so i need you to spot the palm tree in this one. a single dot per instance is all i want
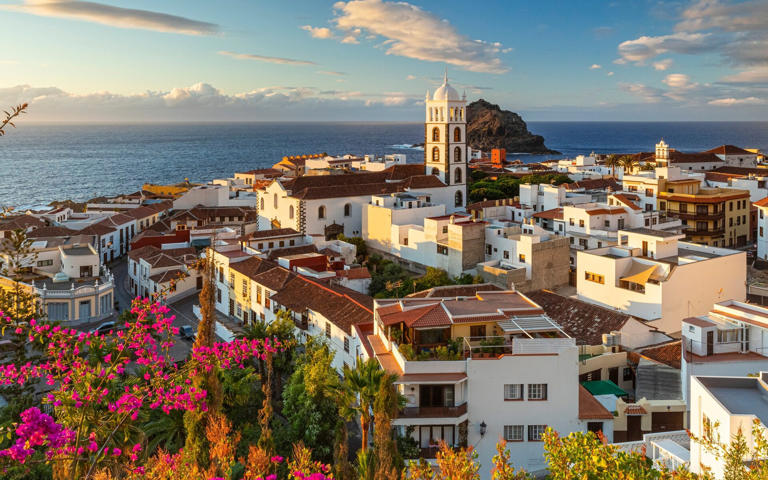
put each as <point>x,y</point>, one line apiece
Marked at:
<point>629,162</point>
<point>648,166</point>
<point>612,161</point>
<point>360,386</point>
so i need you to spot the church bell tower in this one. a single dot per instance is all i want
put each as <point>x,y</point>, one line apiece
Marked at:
<point>445,142</point>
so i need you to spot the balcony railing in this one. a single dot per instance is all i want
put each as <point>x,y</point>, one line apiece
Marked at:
<point>433,412</point>
<point>704,232</point>
<point>703,216</point>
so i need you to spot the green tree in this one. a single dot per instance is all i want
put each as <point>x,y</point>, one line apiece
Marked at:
<point>310,401</point>
<point>613,161</point>
<point>359,243</point>
<point>629,162</point>
<point>360,386</point>
<point>388,402</point>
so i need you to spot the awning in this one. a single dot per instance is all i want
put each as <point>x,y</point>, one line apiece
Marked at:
<point>639,273</point>
<point>603,387</point>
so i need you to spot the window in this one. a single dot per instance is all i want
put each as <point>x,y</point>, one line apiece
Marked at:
<point>221,274</point>
<point>292,242</point>
<point>727,336</point>
<point>442,250</point>
<point>581,223</point>
<point>621,223</point>
<point>594,277</point>
<point>435,154</point>
<point>537,391</point>
<point>435,134</point>
<point>730,206</point>
<point>459,199</point>
<point>457,176</point>
<point>761,231</point>
<point>535,432</point>
<point>607,224</point>
<point>435,171</point>
<point>261,204</point>
<point>513,391</point>
<point>477,331</point>
<point>445,228</point>
<point>706,425</point>
<point>328,329</point>
<point>44,263</point>
<point>231,280</point>
<point>290,212</point>
<point>347,209</point>
<point>570,221</point>
<point>405,240</point>
<point>521,257</point>
<point>457,134</point>
<point>627,374</point>
<point>648,192</point>
<point>239,310</point>
<point>274,200</point>
<point>457,154</point>
<point>683,208</point>
<point>346,344</point>
<point>506,255</point>
<point>513,433</point>
<point>321,211</point>
<point>662,205</point>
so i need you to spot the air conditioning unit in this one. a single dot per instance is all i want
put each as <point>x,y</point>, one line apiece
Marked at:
<point>610,340</point>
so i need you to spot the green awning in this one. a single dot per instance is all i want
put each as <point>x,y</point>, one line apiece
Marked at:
<point>603,387</point>
<point>201,242</point>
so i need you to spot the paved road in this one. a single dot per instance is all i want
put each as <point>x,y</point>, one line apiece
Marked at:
<point>123,295</point>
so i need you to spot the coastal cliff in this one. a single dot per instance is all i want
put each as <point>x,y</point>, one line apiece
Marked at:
<point>488,126</point>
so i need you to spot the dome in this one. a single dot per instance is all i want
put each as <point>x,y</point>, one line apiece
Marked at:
<point>446,92</point>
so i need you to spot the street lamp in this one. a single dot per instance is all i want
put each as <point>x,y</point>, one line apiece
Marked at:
<point>483,428</point>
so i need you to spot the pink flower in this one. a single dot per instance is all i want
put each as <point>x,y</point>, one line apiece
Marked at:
<point>116,452</point>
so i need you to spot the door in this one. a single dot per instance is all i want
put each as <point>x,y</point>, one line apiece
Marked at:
<point>645,248</point>
<point>231,307</point>
<point>199,283</point>
<point>84,312</point>
<point>634,432</point>
<point>613,375</point>
<point>710,342</point>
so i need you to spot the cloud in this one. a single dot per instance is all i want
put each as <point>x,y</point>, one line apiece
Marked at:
<point>318,32</point>
<point>646,93</point>
<point>332,73</point>
<point>662,65</point>
<point>644,48</point>
<point>595,66</point>
<point>610,74</point>
<point>677,80</point>
<point>756,76</point>
<point>264,58</point>
<point>412,32</point>
<point>203,100</point>
<point>738,17</point>
<point>115,16</point>
<point>730,102</point>
<point>350,39</point>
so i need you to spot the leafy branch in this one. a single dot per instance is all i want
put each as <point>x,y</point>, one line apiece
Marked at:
<point>9,116</point>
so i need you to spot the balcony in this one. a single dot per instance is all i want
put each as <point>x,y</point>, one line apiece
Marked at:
<point>704,232</point>
<point>708,216</point>
<point>433,412</point>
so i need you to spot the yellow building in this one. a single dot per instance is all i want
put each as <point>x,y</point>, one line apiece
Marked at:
<point>174,190</point>
<point>718,217</point>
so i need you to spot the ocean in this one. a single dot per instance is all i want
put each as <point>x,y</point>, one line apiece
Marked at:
<point>42,163</point>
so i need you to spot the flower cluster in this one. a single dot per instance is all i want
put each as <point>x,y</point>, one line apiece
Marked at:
<point>35,430</point>
<point>101,382</point>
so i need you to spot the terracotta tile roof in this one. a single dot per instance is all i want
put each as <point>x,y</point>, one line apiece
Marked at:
<point>423,181</point>
<point>668,354</point>
<point>702,157</point>
<point>333,303</point>
<point>98,229</point>
<point>594,184</point>
<point>699,322</point>
<point>744,171</point>
<point>553,214</point>
<point>167,276</point>
<point>763,202</point>
<point>157,257</point>
<point>277,232</point>
<point>142,212</point>
<point>425,316</point>
<point>718,197</point>
<point>271,172</point>
<point>590,408</point>
<point>117,220</point>
<point>492,203</point>
<point>628,199</point>
<point>282,252</point>
<point>729,150</point>
<point>52,232</point>
<point>20,222</point>
<point>635,410</point>
<point>274,278</point>
<point>581,320</point>
<point>252,266</point>
<point>354,273</point>
<point>353,190</point>
<point>719,177</point>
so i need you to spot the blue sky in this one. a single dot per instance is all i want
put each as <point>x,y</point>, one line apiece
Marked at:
<point>373,60</point>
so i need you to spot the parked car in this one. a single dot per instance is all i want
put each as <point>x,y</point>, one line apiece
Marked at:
<point>187,332</point>
<point>104,328</point>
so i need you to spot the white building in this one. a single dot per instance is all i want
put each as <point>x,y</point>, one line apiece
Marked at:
<point>650,272</point>
<point>470,393</point>
<point>732,339</point>
<point>147,263</point>
<point>445,148</point>
<point>213,196</point>
<point>543,197</point>
<point>762,228</point>
<point>721,407</point>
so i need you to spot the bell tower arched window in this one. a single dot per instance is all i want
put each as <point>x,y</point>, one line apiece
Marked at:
<point>457,134</point>
<point>457,176</point>
<point>436,134</point>
<point>347,210</point>
<point>457,154</point>
<point>459,199</point>
<point>435,154</point>
<point>321,211</point>
<point>435,171</point>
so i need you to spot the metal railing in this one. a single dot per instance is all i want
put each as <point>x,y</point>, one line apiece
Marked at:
<point>433,412</point>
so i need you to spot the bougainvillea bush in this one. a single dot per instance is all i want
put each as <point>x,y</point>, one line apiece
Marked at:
<point>99,386</point>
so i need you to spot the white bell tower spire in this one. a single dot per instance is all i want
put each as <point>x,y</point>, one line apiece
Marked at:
<point>445,143</point>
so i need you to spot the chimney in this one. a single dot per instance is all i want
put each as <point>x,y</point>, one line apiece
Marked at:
<point>452,220</point>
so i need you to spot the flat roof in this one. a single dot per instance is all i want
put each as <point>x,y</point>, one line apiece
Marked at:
<point>739,395</point>
<point>653,233</point>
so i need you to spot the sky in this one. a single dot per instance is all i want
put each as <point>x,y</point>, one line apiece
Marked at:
<point>374,60</point>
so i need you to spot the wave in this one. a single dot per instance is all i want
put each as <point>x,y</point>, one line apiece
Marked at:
<point>406,146</point>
